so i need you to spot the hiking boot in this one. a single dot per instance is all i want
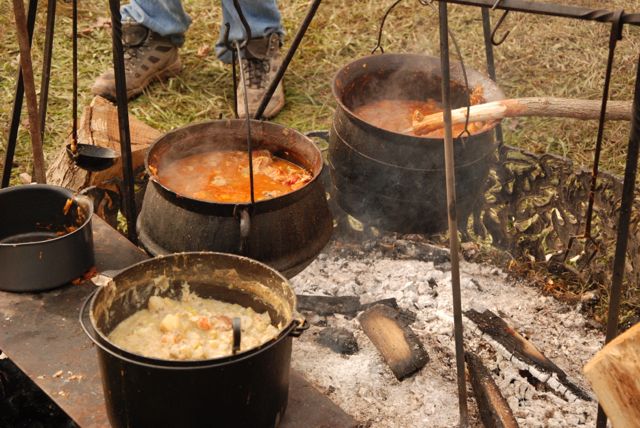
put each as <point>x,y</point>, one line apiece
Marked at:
<point>148,56</point>
<point>261,63</point>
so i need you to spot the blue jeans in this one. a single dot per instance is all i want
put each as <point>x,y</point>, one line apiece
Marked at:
<point>168,18</point>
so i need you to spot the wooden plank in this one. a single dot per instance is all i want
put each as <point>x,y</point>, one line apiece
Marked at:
<point>394,339</point>
<point>494,409</point>
<point>614,373</point>
<point>516,346</point>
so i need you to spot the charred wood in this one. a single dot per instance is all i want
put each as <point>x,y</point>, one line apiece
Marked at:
<point>339,340</point>
<point>394,339</point>
<point>494,410</point>
<point>524,354</point>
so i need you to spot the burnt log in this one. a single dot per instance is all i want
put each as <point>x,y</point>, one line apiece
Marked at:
<point>339,340</point>
<point>329,305</point>
<point>516,346</point>
<point>394,339</point>
<point>494,409</point>
<point>614,375</point>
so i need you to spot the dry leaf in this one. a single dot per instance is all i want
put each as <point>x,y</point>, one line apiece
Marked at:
<point>203,51</point>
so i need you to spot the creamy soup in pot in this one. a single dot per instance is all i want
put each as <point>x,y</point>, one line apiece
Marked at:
<point>191,328</point>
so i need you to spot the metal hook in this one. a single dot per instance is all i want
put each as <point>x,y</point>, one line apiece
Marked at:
<point>384,18</point>
<point>495,30</point>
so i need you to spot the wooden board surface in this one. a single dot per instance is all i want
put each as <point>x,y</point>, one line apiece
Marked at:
<point>41,334</point>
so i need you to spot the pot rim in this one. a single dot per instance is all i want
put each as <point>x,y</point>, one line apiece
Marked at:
<point>80,199</point>
<point>261,203</point>
<point>398,135</point>
<point>105,344</point>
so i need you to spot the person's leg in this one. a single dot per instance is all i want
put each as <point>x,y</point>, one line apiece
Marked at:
<point>262,57</point>
<point>165,17</point>
<point>152,31</point>
<point>262,16</point>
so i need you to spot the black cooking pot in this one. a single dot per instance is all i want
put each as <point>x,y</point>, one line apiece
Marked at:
<point>249,389</point>
<point>41,246</point>
<point>286,232</point>
<point>393,180</point>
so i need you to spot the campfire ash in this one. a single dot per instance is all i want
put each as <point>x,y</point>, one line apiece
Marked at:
<point>417,276</point>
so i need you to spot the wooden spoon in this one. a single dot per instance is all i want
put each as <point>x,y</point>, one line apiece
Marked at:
<point>552,107</point>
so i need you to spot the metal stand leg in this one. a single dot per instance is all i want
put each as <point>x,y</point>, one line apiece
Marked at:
<point>452,211</point>
<point>491,68</point>
<point>626,204</point>
<point>12,136</point>
<point>46,63</point>
<point>128,199</point>
<point>287,59</point>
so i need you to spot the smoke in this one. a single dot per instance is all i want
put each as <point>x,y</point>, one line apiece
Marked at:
<point>397,181</point>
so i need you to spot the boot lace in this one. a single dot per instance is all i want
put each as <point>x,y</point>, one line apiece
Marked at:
<point>258,70</point>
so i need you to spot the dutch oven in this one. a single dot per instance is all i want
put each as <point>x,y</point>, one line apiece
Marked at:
<point>393,180</point>
<point>286,232</point>
<point>248,389</point>
<point>42,244</point>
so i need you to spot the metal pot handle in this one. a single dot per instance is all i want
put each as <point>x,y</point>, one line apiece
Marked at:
<point>301,325</point>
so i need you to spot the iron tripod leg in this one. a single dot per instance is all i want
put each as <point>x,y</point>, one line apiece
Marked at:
<point>452,213</point>
<point>128,199</point>
<point>628,188</point>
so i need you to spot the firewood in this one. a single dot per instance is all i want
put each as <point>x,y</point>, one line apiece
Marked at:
<point>394,339</point>
<point>99,125</point>
<point>329,305</point>
<point>348,305</point>
<point>515,346</point>
<point>494,410</point>
<point>614,373</point>
<point>339,340</point>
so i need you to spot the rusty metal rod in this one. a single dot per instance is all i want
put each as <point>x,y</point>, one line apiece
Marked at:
<point>287,59</point>
<point>128,197</point>
<point>628,188</point>
<point>29,90</point>
<point>550,9</point>
<point>616,34</point>
<point>74,56</point>
<point>452,213</point>
<point>491,67</point>
<point>12,135</point>
<point>46,64</point>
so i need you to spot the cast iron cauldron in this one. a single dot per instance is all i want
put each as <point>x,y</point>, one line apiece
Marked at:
<point>396,181</point>
<point>286,232</point>
<point>41,246</point>
<point>249,389</point>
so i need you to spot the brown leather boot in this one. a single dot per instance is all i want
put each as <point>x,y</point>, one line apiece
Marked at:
<point>260,65</point>
<point>148,56</point>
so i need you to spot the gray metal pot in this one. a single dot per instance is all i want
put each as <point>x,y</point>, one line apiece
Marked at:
<point>36,250</point>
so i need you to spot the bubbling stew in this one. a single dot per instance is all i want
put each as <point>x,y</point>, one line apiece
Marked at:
<point>223,176</point>
<point>396,116</point>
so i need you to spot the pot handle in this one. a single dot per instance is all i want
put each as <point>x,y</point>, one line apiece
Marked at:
<point>301,324</point>
<point>321,134</point>
<point>83,311</point>
<point>237,332</point>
